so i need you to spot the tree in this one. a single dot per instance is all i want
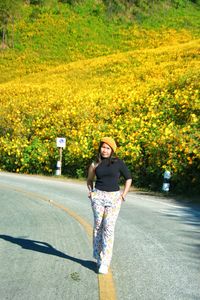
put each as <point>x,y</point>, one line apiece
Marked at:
<point>9,9</point>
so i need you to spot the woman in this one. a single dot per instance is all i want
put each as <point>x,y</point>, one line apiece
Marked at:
<point>106,199</point>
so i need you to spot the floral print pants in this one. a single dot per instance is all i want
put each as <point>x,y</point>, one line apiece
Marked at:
<point>106,207</point>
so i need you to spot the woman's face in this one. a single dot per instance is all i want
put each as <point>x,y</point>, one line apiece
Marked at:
<point>106,150</point>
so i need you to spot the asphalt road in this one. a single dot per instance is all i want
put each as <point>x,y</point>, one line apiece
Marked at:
<point>47,254</point>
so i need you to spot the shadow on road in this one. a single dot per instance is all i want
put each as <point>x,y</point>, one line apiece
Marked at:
<point>183,209</point>
<point>188,215</point>
<point>46,248</point>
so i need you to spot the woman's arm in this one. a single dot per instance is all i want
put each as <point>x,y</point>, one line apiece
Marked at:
<point>90,178</point>
<point>126,188</point>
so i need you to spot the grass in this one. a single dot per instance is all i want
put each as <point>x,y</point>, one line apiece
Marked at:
<point>187,18</point>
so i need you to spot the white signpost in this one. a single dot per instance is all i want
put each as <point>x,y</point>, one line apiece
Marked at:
<point>61,144</point>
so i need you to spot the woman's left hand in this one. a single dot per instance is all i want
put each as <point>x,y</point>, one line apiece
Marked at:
<point>123,198</point>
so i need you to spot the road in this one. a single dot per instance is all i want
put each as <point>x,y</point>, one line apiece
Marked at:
<point>46,247</point>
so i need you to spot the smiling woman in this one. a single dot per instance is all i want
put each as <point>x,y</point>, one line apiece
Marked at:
<point>106,200</point>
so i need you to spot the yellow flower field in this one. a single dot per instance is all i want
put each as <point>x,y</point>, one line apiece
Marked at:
<point>147,99</point>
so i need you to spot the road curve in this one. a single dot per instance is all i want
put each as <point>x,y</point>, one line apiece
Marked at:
<point>46,253</point>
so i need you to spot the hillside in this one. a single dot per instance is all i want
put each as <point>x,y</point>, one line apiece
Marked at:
<point>139,84</point>
<point>48,36</point>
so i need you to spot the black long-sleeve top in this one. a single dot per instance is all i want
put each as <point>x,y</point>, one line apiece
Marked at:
<point>108,175</point>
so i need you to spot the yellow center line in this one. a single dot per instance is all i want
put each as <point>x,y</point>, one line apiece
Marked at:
<point>106,282</point>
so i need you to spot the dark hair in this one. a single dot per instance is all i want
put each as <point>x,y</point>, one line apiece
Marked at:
<point>110,160</point>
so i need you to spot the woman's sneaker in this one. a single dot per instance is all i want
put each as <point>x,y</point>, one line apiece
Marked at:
<point>103,269</point>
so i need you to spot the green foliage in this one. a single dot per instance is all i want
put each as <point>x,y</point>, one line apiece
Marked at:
<point>179,3</point>
<point>37,2</point>
<point>80,173</point>
<point>50,3</point>
<point>9,10</point>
